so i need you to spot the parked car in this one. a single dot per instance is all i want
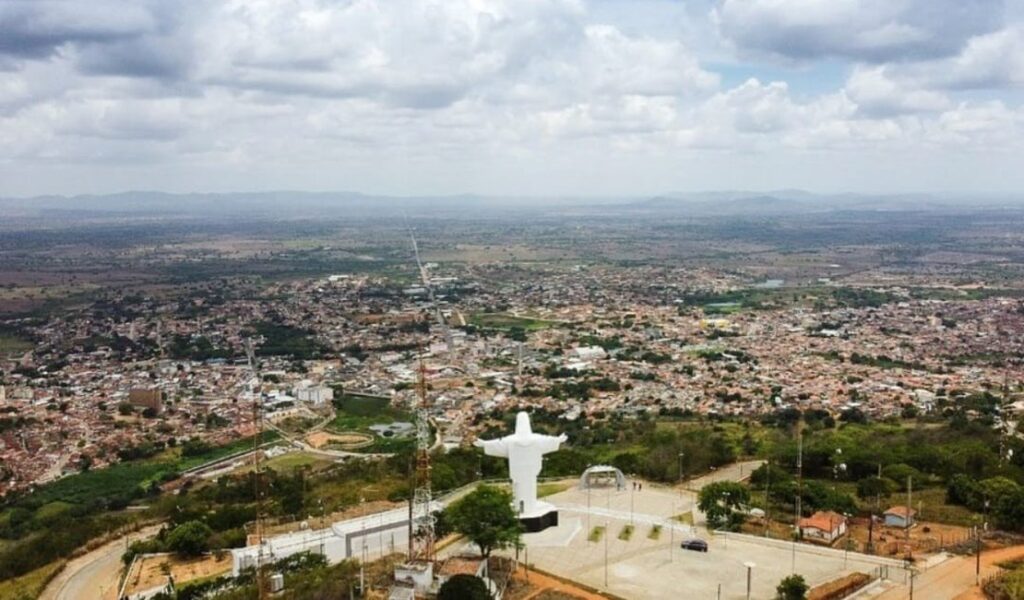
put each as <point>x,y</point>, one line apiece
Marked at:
<point>695,545</point>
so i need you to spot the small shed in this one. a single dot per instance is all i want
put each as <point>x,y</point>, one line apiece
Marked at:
<point>900,517</point>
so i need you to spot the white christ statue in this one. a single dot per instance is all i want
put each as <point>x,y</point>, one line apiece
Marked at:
<point>524,450</point>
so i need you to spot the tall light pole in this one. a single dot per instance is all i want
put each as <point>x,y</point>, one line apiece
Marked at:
<point>606,533</point>
<point>671,537</point>
<point>750,568</point>
<point>767,495</point>
<point>631,493</point>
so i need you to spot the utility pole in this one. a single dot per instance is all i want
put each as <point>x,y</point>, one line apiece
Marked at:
<point>607,532</point>
<point>910,493</point>
<point>871,519</point>
<point>977,557</point>
<point>799,488</point>
<point>767,495</point>
<point>799,474</point>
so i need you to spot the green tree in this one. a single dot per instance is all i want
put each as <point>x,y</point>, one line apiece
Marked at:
<point>792,588</point>
<point>190,539</point>
<point>464,587</point>
<point>1010,511</point>
<point>486,517</point>
<point>719,499</point>
<point>870,488</point>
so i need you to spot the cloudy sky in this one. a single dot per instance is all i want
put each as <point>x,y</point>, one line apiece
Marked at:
<point>511,96</point>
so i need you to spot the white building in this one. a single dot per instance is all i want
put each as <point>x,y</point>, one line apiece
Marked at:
<point>591,353</point>
<point>370,537</point>
<point>315,395</point>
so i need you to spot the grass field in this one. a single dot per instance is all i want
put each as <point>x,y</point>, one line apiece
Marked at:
<point>358,413</point>
<point>549,489</point>
<point>31,584</point>
<point>935,508</point>
<point>10,343</point>
<point>507,321</point>
<point>241,445</point>
<point>292,461</point>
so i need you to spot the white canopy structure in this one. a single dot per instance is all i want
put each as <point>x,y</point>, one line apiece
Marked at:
<point>602,476</point>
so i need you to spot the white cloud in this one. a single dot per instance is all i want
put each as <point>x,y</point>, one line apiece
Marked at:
<point>869,30</point>
<point>363,93</point>
<point>876,93</point>
<point>994,60</point>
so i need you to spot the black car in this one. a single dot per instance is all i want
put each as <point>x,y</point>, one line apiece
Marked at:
<point>695,545</point>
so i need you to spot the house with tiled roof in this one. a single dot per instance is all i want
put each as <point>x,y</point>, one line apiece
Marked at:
<point>823,526</point>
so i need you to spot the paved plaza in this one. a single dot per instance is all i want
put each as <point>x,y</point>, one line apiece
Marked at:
<point>642,567</point>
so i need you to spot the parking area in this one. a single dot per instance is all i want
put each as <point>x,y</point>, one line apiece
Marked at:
<point>650,564</point>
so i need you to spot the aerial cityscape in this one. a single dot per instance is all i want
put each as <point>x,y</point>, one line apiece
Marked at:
<point>533,357</point>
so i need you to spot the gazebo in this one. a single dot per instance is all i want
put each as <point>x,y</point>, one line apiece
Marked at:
<point>602,476</point>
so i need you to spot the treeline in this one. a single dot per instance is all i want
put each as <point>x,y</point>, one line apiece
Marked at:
<point>285,340</point>
<point>638,446</point>
<point>967,458</point>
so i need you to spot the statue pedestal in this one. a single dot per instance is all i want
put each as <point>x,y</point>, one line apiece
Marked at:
<point>542,516</point>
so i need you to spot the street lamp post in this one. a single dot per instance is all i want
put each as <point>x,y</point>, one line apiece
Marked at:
<point>606,532</point>
<point>631,494</point>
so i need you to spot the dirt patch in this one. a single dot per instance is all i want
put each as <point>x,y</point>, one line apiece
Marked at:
<point>319,439</point>
<point>925,538</point>
<point>152,571</point>
<point>839,588</point>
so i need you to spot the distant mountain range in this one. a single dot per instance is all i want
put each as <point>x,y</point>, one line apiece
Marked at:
<point>292,204</point>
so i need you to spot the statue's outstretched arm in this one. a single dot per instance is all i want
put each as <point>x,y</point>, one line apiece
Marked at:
<point>550,443</point>
<point>493,447</point>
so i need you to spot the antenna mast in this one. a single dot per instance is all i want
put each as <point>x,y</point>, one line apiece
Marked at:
<point>423,516</point>
<point>258,491</point>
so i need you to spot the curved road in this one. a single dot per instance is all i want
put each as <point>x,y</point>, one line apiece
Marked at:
<point>96,574</point>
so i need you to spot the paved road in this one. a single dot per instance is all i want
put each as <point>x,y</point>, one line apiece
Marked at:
<point>732,472</point>
<point>954,579</point>
<point>95,575</point>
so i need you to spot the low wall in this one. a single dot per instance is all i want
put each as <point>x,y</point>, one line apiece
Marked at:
<point>809,549</point>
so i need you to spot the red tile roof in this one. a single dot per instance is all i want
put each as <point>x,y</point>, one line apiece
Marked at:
<point>824,521</point>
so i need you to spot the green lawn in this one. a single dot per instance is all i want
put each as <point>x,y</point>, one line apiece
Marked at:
<point>293,461</point>
<point>507,321</point>
<point>240,445</point>
<point>548,489</point>
<point>10,343</point>
<point>358,413</point>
